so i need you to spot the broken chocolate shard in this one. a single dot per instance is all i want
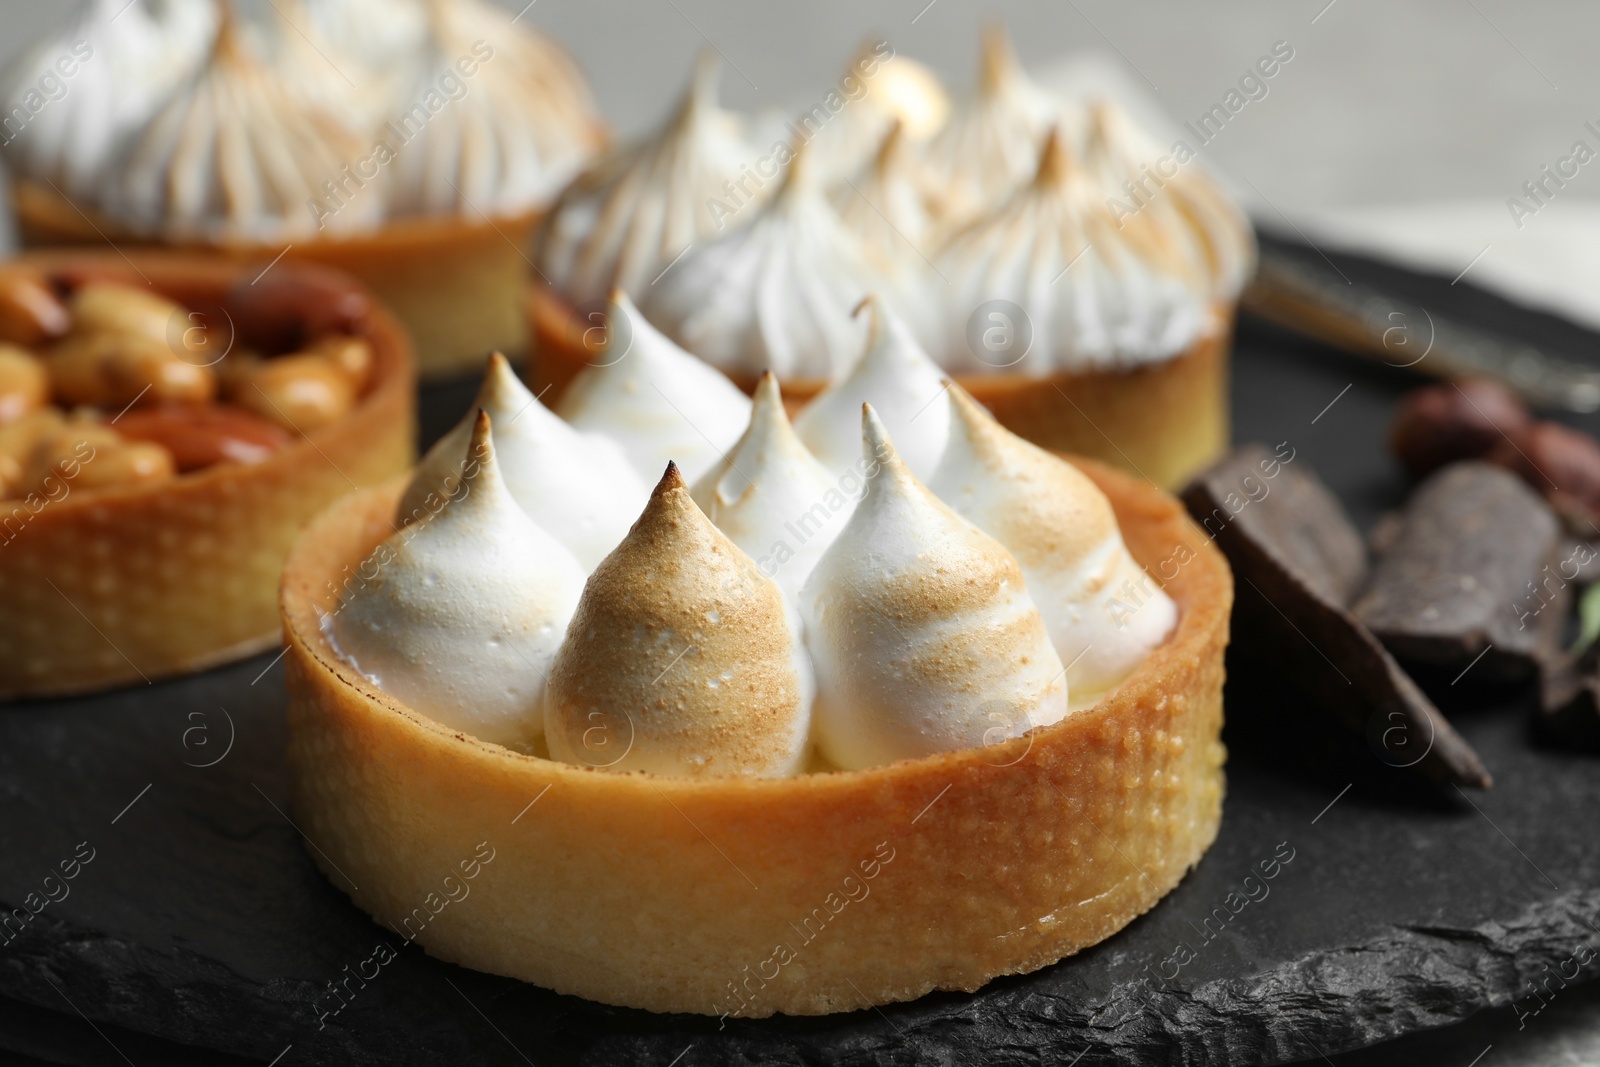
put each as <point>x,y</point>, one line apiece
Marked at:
<point>1299,561</point>
<point>1569,705</point>
<point>1471,576</point>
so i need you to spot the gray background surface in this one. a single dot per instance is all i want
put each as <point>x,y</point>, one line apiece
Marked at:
<point>1402,127</point>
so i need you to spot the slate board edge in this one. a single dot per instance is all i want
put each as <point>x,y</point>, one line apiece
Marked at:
<point>1409,981</point>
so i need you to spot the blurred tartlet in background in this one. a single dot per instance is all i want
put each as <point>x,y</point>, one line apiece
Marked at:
<point>412,143</point>
<point>1074,277</point>
<point>166,428</point>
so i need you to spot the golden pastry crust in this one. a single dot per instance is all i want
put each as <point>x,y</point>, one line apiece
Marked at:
<point>111,586</point>
<point>455,283</point>
<point>1163,421</point>
<point>806,895</point>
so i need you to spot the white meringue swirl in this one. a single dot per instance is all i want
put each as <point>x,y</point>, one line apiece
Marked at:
<point>465,612</point>
<point>578,486</point>
<point>923,636</point>
<point>1095,294</point>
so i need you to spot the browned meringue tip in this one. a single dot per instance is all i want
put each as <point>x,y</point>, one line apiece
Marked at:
<point>876,444</point>
<point>480,449</point>
<point>671,478</point>
<point>889,147</point>
<point>1055,160</point>
<point>767,390</point>
<point>703,82</point>
<point>997,61</point>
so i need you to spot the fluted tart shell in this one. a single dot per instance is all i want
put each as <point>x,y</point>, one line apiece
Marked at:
<point>821,893</point>
<point>116,586</point>
<point>454,283</point>
<point>1164,421</point>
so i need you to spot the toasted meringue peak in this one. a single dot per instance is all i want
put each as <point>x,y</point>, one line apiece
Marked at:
<point>896,376</point>
<point>654,399</point>
<point>1189,205</point>
<point>922,633</point>
<point>461,615</point>
<point>313,55</point>
<point>580,487</point>
<point>990,146</point>
<point>773,499</point>
<point>1093,294</point>
<point>116,66</point>
<point>877,89</point>
<point>776,294</point>
<point>496,117</point>
<point>890,207</point>
<point>626,217</point>
<point>1104,613</point>
<point>682,659</point>
<point>381,35</point>
<point>236,156</point>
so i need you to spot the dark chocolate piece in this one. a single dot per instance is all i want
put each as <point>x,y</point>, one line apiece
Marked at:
<point>1569,704</point>
<point>1298,561</point>
<point>1472,572</point>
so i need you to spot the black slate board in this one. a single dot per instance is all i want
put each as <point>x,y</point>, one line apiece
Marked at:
<point>201,921</point>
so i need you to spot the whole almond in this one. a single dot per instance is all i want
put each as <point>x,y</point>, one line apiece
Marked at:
<point>199,436</point>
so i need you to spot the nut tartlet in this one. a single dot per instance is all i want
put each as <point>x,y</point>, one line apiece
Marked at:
<point>745,896</point>
<point>417,158</point>
<point>1074,277</point>
<point>144,529</point>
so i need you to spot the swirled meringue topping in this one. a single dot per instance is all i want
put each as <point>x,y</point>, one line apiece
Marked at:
<point>896,376</point>
<point>890,209</point>
<point>877,90</point>
<point>236,156</point>
<point>73,99</point>
<point>579,487</point>
<point>496,118</point>
<point>990,147</point>
<point>654,399</point>
<point>380,34</point>
<point>776,294</point>
<point>773,499</point>
<point>637,208</point>
<point>682,658</point>
<point>464,612</point>
<point>1095,294</point>
<point>346,57</point>
<point>1104,613</point>
<point>1188,204</point>
<point>922,633</point>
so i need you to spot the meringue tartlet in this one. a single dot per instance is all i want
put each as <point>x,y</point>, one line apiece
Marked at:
<point>152,541</point>
<point>1074,277</point>
<point>417,159</point>
<point>719,894</point>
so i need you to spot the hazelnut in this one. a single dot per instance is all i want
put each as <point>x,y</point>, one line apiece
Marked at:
<point>30,311</point>
<point>1440,424</point>
<point>121,309</point>
<point>24,383</point>
<point>353,355</point>
<point>112,370</point>
<point>203,435</point>
<point>1561,463</point>
<point>88,455</point>
<point>300,392</point>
